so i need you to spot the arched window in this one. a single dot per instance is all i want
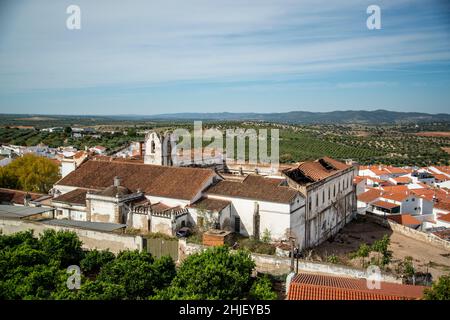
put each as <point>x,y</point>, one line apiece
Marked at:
<point>152,148</point>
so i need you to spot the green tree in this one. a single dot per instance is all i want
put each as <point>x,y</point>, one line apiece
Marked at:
<point>215,273</point>
<point>381,246</point>
<point>30,173</point>
<point>68,131</point>
<point>138,273</point>
<point>266,236</point>
<point>440,290</point>
<point>407,267</point>
<point>262,289</point>
<point>94,259</point>
<point>63,247</point>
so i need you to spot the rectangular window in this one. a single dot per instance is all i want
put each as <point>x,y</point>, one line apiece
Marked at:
<point>317,200</point>
<point>323,196</point>
<point>237,224</point>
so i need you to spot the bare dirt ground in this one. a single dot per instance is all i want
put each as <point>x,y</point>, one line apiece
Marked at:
<point>425,256</point>
<point>433,134</point>
<point>446,149</point>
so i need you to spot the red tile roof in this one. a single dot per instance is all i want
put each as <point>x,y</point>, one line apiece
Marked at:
<point>405,219</point>
<point>379,172</point>
<point>441,177</point>
<point>254,187</point>
<point>396,196</point>
<point>384,204</point>
<point>77,196</point>
<point>358,179</point>
<point>404,180</point>
<point>396,170</point>
<point>394,189</point>
<point>369,196</point>
<point>312,171</point>
<point>442,205</point>
<point>12,196</point>
<point>210,204</point>
<point>445,217</point>
<point>324,287</point>
<point>170,182</point>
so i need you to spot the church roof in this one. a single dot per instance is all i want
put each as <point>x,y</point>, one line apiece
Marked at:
<point>77,196</point>
<point>113,191</point>
<point>170,182</point>
<point>313,171</point>
<point>255,187</point>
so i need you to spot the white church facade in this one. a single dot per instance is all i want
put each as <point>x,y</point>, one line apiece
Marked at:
<point>158,196</point>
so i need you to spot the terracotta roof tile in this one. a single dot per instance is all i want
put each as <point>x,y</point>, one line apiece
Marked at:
<point>394,189</point>
<point>445,217</point>
<point>384,204</point>
<point>170,182</point>
<point>404,219</point>
<point>324,287</point>
<point>312,171</point>
<point>442,205</point>
<point>211,204</point>
<point>396,196</point>
<point>369,196</point>
<point>254,187</point>
<point>17,196</point>
<point>405,180</point>
<point>77,196</point>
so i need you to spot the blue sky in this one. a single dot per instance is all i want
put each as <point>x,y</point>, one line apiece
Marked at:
<point>151,57</point>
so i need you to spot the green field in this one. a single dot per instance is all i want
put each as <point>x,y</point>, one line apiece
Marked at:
<point>368,144</point>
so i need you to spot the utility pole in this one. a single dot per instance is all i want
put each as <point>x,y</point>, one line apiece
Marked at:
<point>297,255</point>
<point>292,253</point>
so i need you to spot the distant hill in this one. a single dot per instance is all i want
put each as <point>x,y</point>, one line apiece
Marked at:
<point>293,117</point>
<point>306,117</point>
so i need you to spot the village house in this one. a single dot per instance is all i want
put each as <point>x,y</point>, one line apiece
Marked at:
<point>98,150</point>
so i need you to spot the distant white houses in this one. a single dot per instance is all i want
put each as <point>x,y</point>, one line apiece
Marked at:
<point>54,129</point>
<point>98,150</point>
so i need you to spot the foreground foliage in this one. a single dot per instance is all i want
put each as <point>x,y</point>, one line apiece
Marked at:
<point>440,290</point>
<point>36,268</point>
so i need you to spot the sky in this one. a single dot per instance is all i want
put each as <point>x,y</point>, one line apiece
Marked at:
<point>152,57</point>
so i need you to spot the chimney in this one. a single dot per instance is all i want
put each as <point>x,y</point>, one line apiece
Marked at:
<point>26,200</point>
<point>116,181</point>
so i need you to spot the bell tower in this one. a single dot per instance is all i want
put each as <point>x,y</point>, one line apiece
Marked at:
<point>158,149</point>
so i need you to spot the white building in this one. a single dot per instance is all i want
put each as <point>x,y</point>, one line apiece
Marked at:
<point>327,186</point>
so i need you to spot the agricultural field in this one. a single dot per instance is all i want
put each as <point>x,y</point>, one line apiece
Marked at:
<point>401,145</point>
<point>391,145</point>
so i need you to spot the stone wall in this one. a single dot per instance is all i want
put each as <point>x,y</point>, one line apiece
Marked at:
<point>279,265</point>
<point>91,239</point>
<point>411,233</point>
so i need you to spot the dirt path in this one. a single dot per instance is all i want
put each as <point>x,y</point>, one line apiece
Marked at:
<point>360,231</point>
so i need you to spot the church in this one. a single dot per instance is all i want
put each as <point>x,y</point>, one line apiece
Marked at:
<point>162,195</point>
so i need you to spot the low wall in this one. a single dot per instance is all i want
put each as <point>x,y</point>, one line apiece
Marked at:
<point>411,233</point>
<point>279,265</point>
<point>91,239</point>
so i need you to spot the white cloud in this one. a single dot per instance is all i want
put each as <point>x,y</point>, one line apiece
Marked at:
<point>147,43</point>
